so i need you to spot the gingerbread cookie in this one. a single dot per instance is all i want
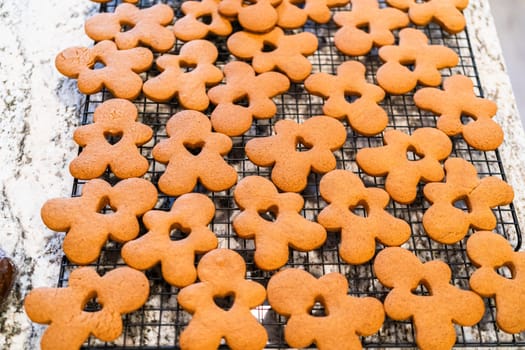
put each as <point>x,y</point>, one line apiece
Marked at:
<point>87,228</point>
<point>275,51</point>
<point>293,293</point>
<point>285,227</point>
<point>193,153</point>
<point>490,251</point>
<point>456,100</point>
<point>294,13</point>
<point>435,314</point>
<point>190,214</point>
<point>446,223</point>
<point>255,16</point>
<point>447,13</point>
<point>241,83</point>
<point>118,292</point>
<point>344,192</point>
<point>113,118</point>
<point>120,74</point>
<point>413,61</point>
<point>222,279</point>
<point>147,27</point>
<point>188,86</point>
<point>365,26</point>
<point>406,160</point>
<point>195,25</point>
<point>364,114</point>
<point>319,137</point>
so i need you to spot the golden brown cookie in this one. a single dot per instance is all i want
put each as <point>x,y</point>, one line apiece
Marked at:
<point>293,294</point>
<point>406,160</point>
<point>284,226</point>
<point>363,114</point>
<point>186,75</point>
<point>174,238</point>
<point>222,281</point>
<point>413,61</point>
<point>87,227</point>
<point>318,136</point>
<point>345,192</point>
<point>457,99</point>
<point>115,118</point>
<point>490,252</point>
<point>146,27</point>
<point>365,26</point>
<point>242,84</point>
<point>294,13</point>
<point>433,314</point>
<point>447,13</point>
<point>275,51</point>
<point>195,25</point>
<point>446,223</point>
<point>119,74</point>
<point>71,322</point>
<point>193,153</point>
<point>255,16</point>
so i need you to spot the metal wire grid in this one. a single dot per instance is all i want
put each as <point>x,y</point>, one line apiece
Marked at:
<point>158,324</point>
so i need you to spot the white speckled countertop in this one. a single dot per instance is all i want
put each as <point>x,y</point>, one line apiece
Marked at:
<point>38,113</point>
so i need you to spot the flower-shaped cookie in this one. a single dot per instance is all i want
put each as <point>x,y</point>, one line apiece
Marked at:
<point>413,61</point>
<point>448,224</point>
<point>406,160</point>
<point>490,251</point>
<point>364,114</point>
<point>194,25</point>
<point>193,153</point>
<point>87,228</point>
<point>294,13</point>
<point>113,118</point>
<point>256,195</point>
<point>241,83</point>
<point>457,99</point>
<point>317,137</point>
<point>435,314</point>
<point>255,15</point>
<point>190,214</point>
<point>120,74</point>
<point>276,50</point>
<point>447,13</point>
<point>186,75</point>
<point>147,27</point>
<point>293,293</point>
<point>365,26</point>
<point>120,291</point>
<point>344,192</point>
<point>220,304</point>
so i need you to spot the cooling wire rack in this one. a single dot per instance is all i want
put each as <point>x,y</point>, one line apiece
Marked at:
<point>158,324</point>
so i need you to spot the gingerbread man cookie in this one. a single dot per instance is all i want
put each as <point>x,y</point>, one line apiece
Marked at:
<point>457,99</point>
<point>344,192</point>
<point>413,61</point>
<point>406,160</point>
<point>189,87</point>
<point>435,314</point>
<point>147,27</point>
<point>365,26</point>
<point>293,293</point>
<point>319,135</point>
<point>193,153</point>
<point>113,118</point>
<point>241,83</point>
<point>256,195</point>
<point>118,292</point>
<point>87,228</point>
<point>255,16</point>
<point>364,114</point>
<point>222,279</point>
<point>120,74</point>
<point>190,214</point>
<point>294,13</point>
<point>490,251</point>
<point>276,51</point>
<point>193,24</point>
<point>446,223</point>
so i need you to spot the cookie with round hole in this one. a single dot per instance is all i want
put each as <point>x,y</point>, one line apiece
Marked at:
<point>200,19</point>
<point>293,14</point>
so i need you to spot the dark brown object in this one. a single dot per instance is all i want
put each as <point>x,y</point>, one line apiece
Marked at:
<point>7,276</point>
